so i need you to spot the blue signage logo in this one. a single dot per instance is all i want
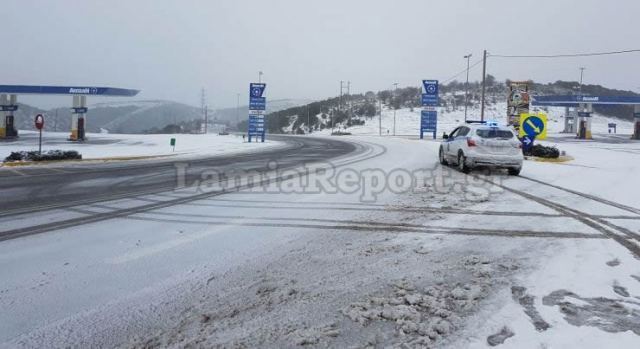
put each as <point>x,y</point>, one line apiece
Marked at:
<point>430,87</point>
<point>256,90</point>
<point>430,96</point>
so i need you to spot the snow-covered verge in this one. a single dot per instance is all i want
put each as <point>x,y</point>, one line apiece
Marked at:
<point>408,121</point>
<point>456,262</point>
<point>101,146</point>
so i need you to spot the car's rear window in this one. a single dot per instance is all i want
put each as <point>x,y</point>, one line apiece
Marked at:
<point>494,133</point>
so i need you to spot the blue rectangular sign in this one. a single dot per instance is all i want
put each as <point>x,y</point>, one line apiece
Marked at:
<point>257,127</point>
<point>81,110</point>
<point>9,107</point>
<point>428,122</point>
<point>584,114</point>
<point>257,103</point>
<point>429,101</point>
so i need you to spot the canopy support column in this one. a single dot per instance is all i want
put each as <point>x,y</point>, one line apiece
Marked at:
<point>78,118</point>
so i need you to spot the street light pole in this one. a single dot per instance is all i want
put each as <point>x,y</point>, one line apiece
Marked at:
<point>395,96</point>
<point>581,77</point>
<point>466,88</point>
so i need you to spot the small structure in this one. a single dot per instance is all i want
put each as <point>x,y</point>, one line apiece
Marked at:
<point>9,104</point>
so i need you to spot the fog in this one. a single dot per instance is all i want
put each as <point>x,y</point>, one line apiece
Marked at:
<point>172,49</point>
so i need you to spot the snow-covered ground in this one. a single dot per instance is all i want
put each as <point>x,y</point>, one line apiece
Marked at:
<point>100,146</point>
<point>408,122</point>
<point>455,261</point>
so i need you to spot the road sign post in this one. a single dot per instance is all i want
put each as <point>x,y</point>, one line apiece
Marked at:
<point>39,121</point>
<point>172,142</point>
<point>257,110</point>
<point>429,115</point>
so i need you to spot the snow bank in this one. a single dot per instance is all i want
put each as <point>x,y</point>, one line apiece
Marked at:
<point>129,145</point>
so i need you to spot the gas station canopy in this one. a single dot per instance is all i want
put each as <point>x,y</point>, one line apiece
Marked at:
<point>584,107</point>
<point>574,101</point>
<point>68,90</point>
<point>9,104</point>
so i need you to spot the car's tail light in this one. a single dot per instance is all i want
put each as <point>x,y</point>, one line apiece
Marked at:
<point>471,142</point>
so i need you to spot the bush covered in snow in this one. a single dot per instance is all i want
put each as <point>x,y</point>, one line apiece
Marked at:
<point>45,156</point>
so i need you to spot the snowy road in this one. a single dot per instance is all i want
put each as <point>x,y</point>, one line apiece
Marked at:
<point>286,259</point>
<point>29,189</point>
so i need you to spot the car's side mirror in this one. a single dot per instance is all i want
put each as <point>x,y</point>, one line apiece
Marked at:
<point>445,136</point>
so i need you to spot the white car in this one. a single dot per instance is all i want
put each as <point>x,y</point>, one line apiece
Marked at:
<point>481,144</point>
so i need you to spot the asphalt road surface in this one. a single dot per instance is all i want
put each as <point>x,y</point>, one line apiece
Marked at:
<point>25,190</point>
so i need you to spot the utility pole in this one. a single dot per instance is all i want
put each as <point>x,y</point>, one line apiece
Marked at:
<point>340,100</point>
<point>466,88</point>
<point>581,77</point>
<point>380,119</point>
<point>206,119</point>
<point>395,97</point>
<point>349,102</point>
<point>308,120</point>
<point>331,112</point>
<point>484,82</point>
<point>203,107</point>
<point>237,109</point>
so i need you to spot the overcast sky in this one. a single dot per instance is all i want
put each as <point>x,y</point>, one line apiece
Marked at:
<point>171,49</point>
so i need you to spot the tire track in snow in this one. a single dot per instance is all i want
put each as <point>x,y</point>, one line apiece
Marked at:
<point>368,226</point>
<point>587,196</point>
<point>619,234</point>
<point>366,152</point>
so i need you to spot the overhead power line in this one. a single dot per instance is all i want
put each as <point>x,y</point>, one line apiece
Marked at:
<point>588,54</point>
<point>461,72</point>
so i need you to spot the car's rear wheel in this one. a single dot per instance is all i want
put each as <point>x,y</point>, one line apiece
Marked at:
<point>514,171</point>
<point>443,160</point>
<point>462,163</point>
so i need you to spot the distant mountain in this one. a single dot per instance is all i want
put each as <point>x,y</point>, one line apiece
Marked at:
<point>140,116</point>
<point>232,116</point>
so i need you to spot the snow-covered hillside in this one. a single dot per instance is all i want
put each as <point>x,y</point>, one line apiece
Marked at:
<point>408,121</point>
